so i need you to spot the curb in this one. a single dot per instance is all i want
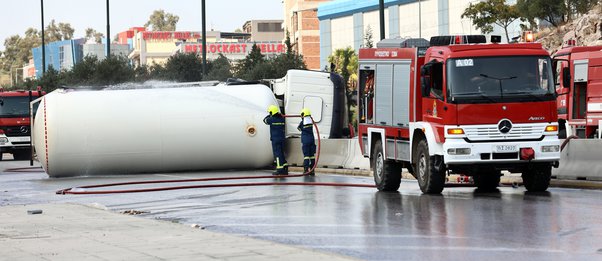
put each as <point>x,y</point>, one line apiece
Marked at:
<point>505,180</point>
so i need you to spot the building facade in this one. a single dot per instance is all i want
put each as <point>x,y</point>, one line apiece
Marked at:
<point>156,47</point>
<point>63,55</point>
<point>301,22</point>
<point>344,23</point>
<point>60,55</point>
<point>264,30</point>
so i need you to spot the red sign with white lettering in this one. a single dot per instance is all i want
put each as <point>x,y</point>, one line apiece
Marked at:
<point>243,48</point>
<point>169,35</point>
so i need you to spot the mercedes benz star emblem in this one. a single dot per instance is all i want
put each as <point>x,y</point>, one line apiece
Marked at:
<point>24,129</point>
<point>504,126</point>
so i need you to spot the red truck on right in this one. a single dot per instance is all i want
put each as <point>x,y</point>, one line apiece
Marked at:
<point>579,89</point>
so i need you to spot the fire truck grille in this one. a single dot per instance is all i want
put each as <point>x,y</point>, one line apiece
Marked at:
<point>16,131</point>
<point>491,132</point>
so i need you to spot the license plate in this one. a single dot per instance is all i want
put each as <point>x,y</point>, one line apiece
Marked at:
<point>18,139</point>
<point>505,148</point>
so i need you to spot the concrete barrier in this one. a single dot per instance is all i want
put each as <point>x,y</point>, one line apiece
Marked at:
<point>581,159</point>
<point>335,153</point>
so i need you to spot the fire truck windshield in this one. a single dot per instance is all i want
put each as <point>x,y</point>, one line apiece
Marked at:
<point>15,106</point>
<point>500,79</point>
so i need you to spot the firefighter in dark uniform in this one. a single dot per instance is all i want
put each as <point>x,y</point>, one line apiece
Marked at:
<point>276,122</point>
<point>308,145</point>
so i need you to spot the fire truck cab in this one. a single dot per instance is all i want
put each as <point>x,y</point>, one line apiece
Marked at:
<point>456,104</point>
<point>579,88</point>
<point>15,133</point>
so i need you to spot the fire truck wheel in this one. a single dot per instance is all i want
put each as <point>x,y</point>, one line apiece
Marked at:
<point>487,181</point>
<point>387,174</point>
<point>537,179</point>
<point>430,171</point>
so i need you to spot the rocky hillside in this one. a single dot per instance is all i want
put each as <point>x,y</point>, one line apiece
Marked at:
<point>586,29</point>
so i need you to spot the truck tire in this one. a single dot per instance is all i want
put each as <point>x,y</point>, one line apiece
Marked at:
<point>487,181</point>
<point>21,154</point>
<point>537,179</point>
<point>429,170</point>
<point>387,174</point>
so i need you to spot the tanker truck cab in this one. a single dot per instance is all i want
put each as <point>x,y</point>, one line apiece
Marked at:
<point>461,106</point>
<point>15,131</point>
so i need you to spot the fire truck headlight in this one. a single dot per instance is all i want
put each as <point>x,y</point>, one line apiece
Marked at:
<point>3,140</point>
<point>455,131</point>
<point>551,128</point>
<point>550,148</point>
<point>458,151</point>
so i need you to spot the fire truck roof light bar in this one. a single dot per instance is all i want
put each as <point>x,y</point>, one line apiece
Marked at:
<point>457,39</point>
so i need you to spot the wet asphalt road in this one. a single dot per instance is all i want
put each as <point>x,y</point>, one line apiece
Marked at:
<point>460,224</point>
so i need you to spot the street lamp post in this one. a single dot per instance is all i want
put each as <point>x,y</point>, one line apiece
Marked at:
<point>108,33</point>
<point>43,42</point>
<point>204,32</point>
<point>381,8</point>
<point>419,19</point>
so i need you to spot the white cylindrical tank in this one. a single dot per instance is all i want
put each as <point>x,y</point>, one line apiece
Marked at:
<point>81,133</point>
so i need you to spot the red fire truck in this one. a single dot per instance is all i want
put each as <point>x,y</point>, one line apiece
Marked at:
<point>579,88</point>
<point>15,134</point>
<point>458,105</point>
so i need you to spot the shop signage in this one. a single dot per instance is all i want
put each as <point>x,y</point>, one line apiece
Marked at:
<point>236,48</point>
<point>170,35</point>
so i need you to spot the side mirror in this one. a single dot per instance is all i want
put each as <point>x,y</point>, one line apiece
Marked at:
<point>566,77</point>
<point>425,80</point>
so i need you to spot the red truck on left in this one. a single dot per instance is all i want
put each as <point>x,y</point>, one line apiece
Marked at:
<point>15,133</point>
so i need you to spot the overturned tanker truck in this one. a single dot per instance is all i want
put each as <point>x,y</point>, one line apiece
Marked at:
<point>179,127</point>
<point>80,133</point>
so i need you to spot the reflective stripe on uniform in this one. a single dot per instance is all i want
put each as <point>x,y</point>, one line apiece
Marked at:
<point>278,166</point>
<point>278,123</point>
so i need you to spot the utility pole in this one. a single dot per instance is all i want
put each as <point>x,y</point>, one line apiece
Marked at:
<point>419,19</point>
<point>204,32</point>
<point>108,33</point>
<point>43,42</point>
<point>381,10</point>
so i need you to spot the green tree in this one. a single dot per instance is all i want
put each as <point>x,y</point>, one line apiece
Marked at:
<point>113,70</point>
<point>18,48</point>
<point>552,11</point>
<point>157,71</point>
<point>142,73</point>
<point>487,13</point>
<point>184,67</point>
<point>162,21</point>
<point>219,69</point>
<point>368,41</point>
<point>245,66</point>
<point>83,72</point>
<point>286,61</point>
<point>58,32</point>
<point>93,34</point>
<point>51,80</point>
<point>581,6</point>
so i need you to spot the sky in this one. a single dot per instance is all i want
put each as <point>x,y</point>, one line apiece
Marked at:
<point>222,15</point>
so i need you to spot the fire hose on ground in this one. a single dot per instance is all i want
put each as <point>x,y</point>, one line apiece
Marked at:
<point>82,189</point>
